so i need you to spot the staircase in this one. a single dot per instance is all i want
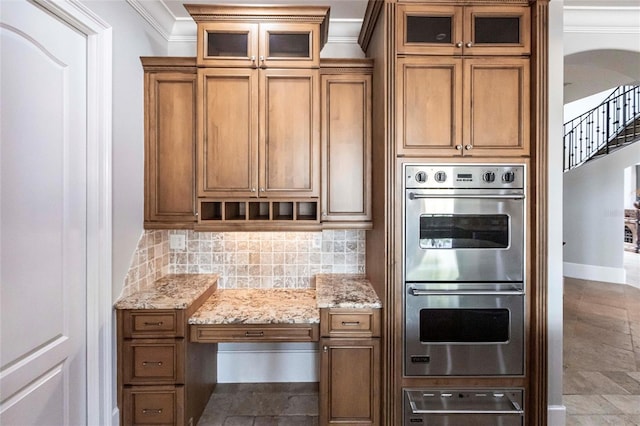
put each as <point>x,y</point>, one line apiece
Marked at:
<point>613,124</point>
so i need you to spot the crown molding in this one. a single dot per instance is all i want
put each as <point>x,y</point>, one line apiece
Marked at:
<point>597,17</point>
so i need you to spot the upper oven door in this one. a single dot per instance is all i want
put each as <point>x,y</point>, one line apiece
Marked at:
<point>463,236</point>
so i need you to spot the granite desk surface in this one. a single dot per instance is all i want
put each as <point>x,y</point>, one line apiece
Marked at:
<point>255,305</point>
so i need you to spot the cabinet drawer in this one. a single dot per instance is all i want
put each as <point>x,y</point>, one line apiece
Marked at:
<point>157,405</point>
<point>350,322</point>
<point>141,324</point>
<point>209,333</point>
<point>153,361</point>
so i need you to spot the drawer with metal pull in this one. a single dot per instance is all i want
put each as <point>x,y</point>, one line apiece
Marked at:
<point>153,405</point>
<point>150,361</point>
<point>148,324</point>
<point>350,322</point>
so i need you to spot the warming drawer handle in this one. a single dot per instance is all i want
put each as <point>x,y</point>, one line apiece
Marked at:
<point>416,292</point>
<point>254,334</point>
<point>494,412</point>
<point>414,196</point>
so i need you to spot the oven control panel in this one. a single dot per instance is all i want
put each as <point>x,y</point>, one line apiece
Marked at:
<point>482,176</point>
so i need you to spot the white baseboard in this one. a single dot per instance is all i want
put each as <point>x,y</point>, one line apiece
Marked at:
<point>268,363</point>
<point>115,417</point>
<point>594,273</point>
<point>556,415</point>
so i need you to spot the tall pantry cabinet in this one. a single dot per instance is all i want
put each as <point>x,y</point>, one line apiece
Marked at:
<point>456,82</point>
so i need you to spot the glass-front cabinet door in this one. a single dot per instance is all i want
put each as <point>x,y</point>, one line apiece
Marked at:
<point>458,30</point>
<point>497,30</point>
<point>231,44</point>
<point>430,30</point>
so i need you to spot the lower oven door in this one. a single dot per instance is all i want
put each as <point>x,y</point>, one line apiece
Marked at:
<point>463,332</point>
<point>477,407</point>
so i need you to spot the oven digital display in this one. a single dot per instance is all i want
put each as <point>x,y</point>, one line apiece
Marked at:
<point>464,177</point>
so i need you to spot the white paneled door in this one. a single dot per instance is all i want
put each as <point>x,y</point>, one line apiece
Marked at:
<point>43,218</point>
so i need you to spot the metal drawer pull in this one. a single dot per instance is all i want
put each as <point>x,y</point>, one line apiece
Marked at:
<point>254,334</point>
<point>351,323</point>
<point>156,324</point>
<point>156,363</point>
<point>152,411</point>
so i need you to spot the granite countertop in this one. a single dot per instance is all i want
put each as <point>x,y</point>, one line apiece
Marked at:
<point>345,291</point>
<point>287,306</point>
<point>259,306</point>
<point>173,291</point>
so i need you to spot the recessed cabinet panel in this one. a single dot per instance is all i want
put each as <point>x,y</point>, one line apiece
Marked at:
<point>170,132</point>
<point>290,142</point>
<point>346,147</point>
<point>498,117</point>
<point>429,105</point>
<point>227,145</point>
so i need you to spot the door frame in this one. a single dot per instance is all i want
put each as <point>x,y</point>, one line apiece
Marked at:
<point>99,338</point>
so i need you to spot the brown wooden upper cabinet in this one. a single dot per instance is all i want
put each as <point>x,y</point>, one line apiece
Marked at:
<point>449,106</point>
<point>170,133</point>
<point>260,37</point>
<point>463,30</point>
<point>346,142</point>
<point>258,132</point>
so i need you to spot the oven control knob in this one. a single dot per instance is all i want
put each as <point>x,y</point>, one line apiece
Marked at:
<point>421,177</point>
<point>508,177</point>
<point>489,177</point>
<point>440,177</point>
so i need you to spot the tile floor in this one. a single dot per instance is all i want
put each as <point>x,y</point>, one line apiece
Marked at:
<point>262,404</point>
<point>602,350</point>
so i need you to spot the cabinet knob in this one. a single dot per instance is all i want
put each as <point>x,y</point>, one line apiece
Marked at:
<point>459,44</point>
<point>261,189</point>
<point>468,147</point>
<point>325,349</point>
<point>459,147</point>
<point>262,64</point>
<point>253,190</point>
<point>469,44</point>
<point>253,61</point>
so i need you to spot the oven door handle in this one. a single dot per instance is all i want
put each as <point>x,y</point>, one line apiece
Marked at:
<point>415,196</point>
<point>501,412</point>
<point>416,292</point>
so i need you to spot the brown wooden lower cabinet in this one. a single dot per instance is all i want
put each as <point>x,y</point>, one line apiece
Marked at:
<point>153,405</point>
<point>350,381</point>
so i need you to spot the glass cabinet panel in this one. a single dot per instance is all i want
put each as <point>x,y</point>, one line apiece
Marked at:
<point>496,30</point>
<point>428,29</point>
<point>289,45</point>
<point>227,44</point>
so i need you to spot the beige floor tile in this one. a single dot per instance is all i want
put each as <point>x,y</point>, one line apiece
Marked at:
<point>589,404</point>
<point>629,404</point>
<point>591,332</point>
<point>624,380</point>
<point>599,420</point>
<point>590,382</point>
<point>593,307</point>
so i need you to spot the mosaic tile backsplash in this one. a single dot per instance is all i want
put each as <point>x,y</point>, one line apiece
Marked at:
<point>247,259</point>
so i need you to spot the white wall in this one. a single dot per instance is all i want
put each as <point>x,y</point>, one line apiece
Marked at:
<point>556,412</point>
<point>132,38</point>
<point>593,216</point>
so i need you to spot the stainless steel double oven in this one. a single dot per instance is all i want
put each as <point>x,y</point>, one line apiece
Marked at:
<point>464,269</point>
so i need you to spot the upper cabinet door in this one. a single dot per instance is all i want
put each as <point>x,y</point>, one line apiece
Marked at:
<point>289,46</point>
<point>497,30</point>
<point>458,30</point>
<point>229,44</point>
<point>433,30</point>
<point>289,133</point>
<point>227,132</point>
